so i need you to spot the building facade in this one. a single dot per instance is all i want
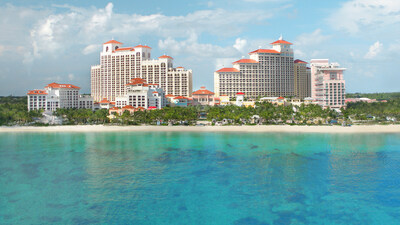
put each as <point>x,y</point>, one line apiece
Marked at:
<point>327,84</point>
<point>204,97</point>
<point>302,79</point>
<point>118,65</point>
<point>56,96</point>
<point>268,72</point>
<point>141,94</point>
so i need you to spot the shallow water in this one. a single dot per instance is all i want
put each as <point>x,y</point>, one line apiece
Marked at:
<point>199,178</point>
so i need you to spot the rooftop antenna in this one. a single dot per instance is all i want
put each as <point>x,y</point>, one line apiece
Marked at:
<point>281,37</point>
<point>259,47</point>
<point>242,56</point>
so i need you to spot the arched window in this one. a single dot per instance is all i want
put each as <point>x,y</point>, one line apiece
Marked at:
<point>138,54</point>
<point>162,64</point>
<point>107,49</point>
<point>116,47</point>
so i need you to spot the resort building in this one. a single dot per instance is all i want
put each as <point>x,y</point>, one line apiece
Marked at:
<point>104,104</point>
<point>138,93</point>
<point>120,111</point>
<point>327,84</point>
<point>204,97</point>
<point>224,100</point>
<point>274,100</point>
<point>302,79</point>
<point>118,65</point>
<point>56,95</point>
<point>180,101</point>
<point>268,72</point>
<point>367,100</point>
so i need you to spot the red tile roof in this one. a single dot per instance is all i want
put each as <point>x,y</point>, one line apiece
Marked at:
<point>246,61</point>
<point>264,51</point>
<point>169,95</point>
<point>113,42</point>
<point>179,67</point>
<point>152,107</point>
<point>165,57</point>
<point>228,70</point>
<point>128,107</point>
<point>155,92</point>
<point>105,101</point>
<point>142,46</point>
<point>281,42</point>
<point>125,49</point>
<point>114,108</point>
<point>203,92</point>
<point>180,97</point>
<point>136,81</point>
<point>37,92</point>
<point>240,93</point>
<point>280,98</point>
<point>56,85</point>
<point>299,61</point>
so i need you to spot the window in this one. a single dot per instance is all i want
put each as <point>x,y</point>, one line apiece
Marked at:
<point>333,75</point>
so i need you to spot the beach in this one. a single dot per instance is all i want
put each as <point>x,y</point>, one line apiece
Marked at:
<point>256,128</point>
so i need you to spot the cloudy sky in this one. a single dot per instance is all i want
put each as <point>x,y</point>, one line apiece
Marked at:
<point>47,41</point>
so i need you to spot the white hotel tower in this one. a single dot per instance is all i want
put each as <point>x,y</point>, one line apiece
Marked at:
<point>119,65</point>
<point>268,72</point>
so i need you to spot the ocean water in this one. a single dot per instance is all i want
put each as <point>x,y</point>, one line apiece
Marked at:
<point>199,178</point>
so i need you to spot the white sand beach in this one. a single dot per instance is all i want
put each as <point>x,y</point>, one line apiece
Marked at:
<point>257,128</point>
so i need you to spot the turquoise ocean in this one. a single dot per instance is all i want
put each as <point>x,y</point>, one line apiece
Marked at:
<point>199,178</point>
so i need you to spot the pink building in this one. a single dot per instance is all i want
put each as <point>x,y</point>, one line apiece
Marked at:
<point>327,84</point>
<point>367,100</point>
<point>204,97</point>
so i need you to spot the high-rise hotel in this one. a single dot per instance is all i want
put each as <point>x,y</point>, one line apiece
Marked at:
<point>302,79</point>
<point>327,84</point>
<point>119,65</point>
<point>268,72</point>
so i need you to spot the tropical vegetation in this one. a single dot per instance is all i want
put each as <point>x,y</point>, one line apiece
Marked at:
<point>13,111</point>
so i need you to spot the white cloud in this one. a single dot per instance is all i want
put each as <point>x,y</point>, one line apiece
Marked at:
<point>71,76</point>
<point>2,48</point>
<point>309,45</point>
<point>374,50</point>
<point>56,33</point>
<point>310,39</point>
<point>266,1</point>
<point>224,62</point>
<point>91,49</point>
<point>371,14</point>
<point>240,44</point>
<point>191,47</point>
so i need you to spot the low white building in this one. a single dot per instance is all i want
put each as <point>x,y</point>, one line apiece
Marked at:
<point>56,95</point>
<point>141,94</point>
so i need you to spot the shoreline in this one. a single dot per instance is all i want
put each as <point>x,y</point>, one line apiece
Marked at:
<point>246,129</point>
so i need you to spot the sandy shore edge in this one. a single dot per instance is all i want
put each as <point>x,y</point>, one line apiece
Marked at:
<point>257,128</point>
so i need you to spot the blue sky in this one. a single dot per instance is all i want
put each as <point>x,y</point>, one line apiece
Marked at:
<point>57,41</point>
